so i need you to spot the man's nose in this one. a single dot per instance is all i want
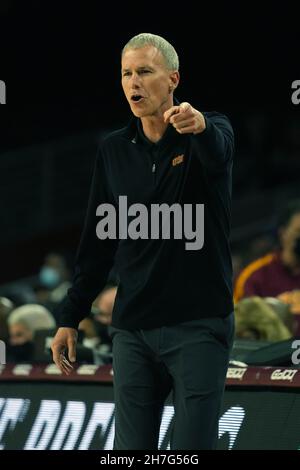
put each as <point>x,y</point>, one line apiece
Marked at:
<point>135,80</point>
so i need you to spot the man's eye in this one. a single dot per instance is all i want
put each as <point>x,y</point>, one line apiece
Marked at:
<point>125,74</point>
<point>145,71</point>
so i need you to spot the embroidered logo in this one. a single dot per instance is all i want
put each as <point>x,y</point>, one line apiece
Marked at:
<point>177,160</point>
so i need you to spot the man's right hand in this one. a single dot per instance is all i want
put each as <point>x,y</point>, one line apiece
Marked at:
<point>65,339</point>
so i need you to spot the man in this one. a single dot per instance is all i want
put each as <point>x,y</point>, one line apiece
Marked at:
<point>169,154</point>
<point>276,274</point>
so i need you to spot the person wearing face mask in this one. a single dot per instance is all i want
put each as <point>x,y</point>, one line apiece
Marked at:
<point>276,274</point>
<point>49,277</point>
<point>53,279</point>
<point>23,322</point>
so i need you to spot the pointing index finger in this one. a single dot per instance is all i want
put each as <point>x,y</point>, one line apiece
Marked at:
<point>184,107</point>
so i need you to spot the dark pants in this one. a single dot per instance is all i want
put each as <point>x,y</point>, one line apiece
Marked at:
<point>189,358</point>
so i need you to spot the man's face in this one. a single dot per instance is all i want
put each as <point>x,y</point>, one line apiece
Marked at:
<point>146,81</point>
<point>290,233</point>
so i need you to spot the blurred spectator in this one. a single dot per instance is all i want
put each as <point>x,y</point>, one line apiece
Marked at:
<point>283,311</point>
<point>54,278</point>
<point>278,271</point>
<point>263,319</point>
<point>102,311</point>
<point>90,338</point>
<point>23,322</point>
<point>292,299</point>
<point>6,306</point>
<point>104,304</point>
<point>19,293</point>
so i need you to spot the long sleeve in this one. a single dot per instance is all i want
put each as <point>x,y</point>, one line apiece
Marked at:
<point>216,143</point>
<point>94,257</point>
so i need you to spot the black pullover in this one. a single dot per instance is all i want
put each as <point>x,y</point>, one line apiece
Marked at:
<point>160,282</point>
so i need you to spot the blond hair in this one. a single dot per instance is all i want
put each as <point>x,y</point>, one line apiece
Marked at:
<point>147,39</point>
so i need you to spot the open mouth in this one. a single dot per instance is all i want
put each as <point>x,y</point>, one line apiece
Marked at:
<point>137,98</point>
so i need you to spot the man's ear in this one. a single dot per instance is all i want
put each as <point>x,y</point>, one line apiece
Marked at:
<point>174,81</point>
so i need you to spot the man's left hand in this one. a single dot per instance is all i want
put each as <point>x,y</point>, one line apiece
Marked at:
<point>185,119</point>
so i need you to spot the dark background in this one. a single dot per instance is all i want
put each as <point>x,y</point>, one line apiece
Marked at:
<point>61,66</point>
